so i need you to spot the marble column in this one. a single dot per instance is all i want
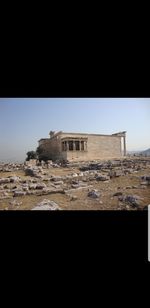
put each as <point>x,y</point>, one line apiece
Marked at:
<point>124,142</point>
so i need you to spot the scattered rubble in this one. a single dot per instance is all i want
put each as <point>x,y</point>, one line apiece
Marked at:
<point>10,167</point>
<point>4,180</point>
<point>102,178</point>
<point>145,177</point>
<point>94,194</point>
<point>38,181</point>
<point>145,180</point>
<point>15,203</point>
<point>34,171</point>
<point>134,201</point>
<point>15,179</point>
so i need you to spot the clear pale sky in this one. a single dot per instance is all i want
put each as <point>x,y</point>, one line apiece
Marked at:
<point>23,121</point>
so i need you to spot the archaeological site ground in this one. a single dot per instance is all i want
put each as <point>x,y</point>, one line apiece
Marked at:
<point>107,184</point>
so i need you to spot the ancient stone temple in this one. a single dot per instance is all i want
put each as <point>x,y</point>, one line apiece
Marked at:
<point>82,146</point>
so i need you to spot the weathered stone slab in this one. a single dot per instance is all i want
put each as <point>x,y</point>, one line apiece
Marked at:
<point>78,188</point>
<point>94,194</point>
<point>102,178</point>
<point>145,177</point>
<point>40,185</point>
<point>59,183</point>
<point>4,180</point>
<point>15,203</point>
<point>132,200</point>
<point>46,205</point>
<point>19,193</point>
<point>56,178</point>
<point>15,179</point>
<point>119,193</point>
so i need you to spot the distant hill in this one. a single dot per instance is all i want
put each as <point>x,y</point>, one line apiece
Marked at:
<point>141,153</point>
<point>133,152</point>
<point>146,152</point>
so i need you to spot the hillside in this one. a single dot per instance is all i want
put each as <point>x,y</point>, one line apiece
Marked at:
<point>146,152</point>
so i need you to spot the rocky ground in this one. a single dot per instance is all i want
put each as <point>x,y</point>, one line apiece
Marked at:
<point>104,185</point>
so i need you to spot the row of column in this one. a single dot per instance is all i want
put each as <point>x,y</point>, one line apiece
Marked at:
<point>74,146</point>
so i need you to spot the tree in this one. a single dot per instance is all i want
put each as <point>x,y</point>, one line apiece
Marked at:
<point>41,154</point>
<point>31,155</point>
<point>39,151</point>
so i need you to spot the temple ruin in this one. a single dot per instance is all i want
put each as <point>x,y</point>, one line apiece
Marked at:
<point>82,146</point>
